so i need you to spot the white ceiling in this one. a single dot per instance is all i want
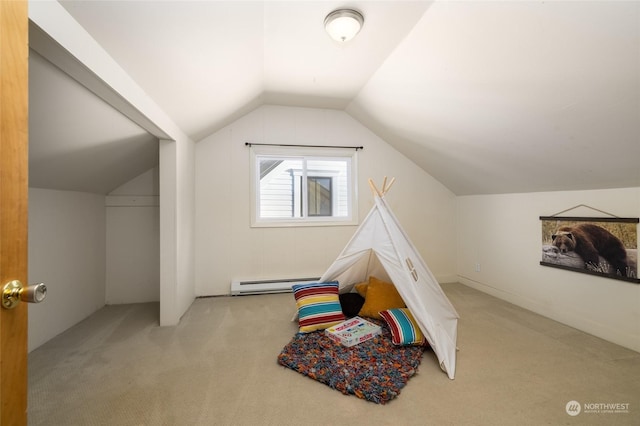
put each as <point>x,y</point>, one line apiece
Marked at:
<point>487,97</point>
<point>77,142</point>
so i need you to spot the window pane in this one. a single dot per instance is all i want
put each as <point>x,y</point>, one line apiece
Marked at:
<point>337,169</point>
<point>277,187</point>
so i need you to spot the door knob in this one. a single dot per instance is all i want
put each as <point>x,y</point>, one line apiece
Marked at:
<point>13,292</point>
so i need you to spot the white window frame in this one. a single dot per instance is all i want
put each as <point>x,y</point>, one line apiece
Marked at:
<point>309,153</point>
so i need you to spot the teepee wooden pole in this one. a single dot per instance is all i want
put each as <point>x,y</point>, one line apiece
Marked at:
<point>373,188</point>
<point>387,188</point>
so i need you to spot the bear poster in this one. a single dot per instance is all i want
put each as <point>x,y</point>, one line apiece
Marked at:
<point>598,246</point>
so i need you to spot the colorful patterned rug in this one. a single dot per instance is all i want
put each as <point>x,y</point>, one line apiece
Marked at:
<point>375,370</point>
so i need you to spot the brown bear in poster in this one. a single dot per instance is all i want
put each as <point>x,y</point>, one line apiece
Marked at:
<point>590,242</point>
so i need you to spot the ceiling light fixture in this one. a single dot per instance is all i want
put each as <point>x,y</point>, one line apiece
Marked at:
<point>343,24</point>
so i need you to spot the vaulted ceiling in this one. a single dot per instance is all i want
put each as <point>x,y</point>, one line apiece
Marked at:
<point>487,97</point>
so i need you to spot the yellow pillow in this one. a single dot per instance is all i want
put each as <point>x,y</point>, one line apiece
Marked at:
<point>361,288</point>
<point>381,296</point>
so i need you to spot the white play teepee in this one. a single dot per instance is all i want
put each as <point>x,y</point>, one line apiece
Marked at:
<point>381,248</point>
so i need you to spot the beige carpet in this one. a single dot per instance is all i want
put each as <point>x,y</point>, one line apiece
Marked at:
<point>218,367</point>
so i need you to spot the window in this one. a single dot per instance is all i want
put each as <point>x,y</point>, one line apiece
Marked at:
<point>299,186</point>
<point>319,196</point>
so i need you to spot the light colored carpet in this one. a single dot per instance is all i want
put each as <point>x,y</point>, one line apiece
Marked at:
<point>218,367</point>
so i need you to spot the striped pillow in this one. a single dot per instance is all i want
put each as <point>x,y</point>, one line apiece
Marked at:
<point>318,306</point>
<point>403,326</point>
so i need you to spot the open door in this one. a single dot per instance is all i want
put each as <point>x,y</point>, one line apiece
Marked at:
<point>14,52</point>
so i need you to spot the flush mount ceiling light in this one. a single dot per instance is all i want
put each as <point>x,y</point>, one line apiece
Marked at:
<point>343,24</point>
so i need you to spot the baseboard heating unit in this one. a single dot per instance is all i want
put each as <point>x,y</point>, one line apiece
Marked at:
<point>239,288</point>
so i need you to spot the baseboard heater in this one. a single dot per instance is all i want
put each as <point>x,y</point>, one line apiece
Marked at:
<point>239,288</point>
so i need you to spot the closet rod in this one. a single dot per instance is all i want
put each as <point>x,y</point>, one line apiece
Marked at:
<point>249,144</point>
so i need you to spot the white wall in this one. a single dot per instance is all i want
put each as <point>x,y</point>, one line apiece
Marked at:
<point>228,248</point>
<point>177,229</point>
<point>67,253</point>
<point>185,215</point>
<point>133,241</point>
<point>503,234</point>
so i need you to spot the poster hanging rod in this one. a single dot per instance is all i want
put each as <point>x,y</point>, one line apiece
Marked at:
<point>249,144</point>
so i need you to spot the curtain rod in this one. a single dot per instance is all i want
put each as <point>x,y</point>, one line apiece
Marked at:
<point>249,144</point>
